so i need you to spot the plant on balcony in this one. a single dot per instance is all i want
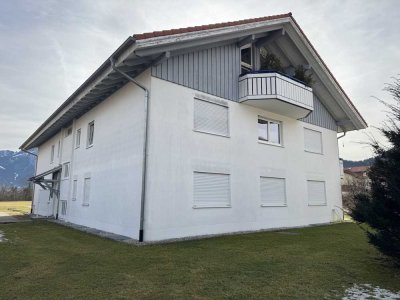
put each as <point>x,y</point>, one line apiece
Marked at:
<point>301,74</point>
<point>269,61</point>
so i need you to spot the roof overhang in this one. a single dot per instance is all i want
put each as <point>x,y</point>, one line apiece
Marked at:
<point>135,56</point>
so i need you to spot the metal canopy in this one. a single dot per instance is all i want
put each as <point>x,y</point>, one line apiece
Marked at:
<point>46,184</point>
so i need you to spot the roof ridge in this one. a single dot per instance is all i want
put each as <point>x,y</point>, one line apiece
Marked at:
<point>147,35</point>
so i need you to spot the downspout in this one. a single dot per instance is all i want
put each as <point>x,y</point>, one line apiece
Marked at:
<point>145,142</point>
<point>344,134</point>
<point>33,186</point>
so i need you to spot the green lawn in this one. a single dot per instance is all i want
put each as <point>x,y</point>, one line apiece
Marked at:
<point>42,260</point>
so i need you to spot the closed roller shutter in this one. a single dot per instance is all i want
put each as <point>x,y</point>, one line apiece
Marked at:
<point>210,117</point>
<point>211,190</point>
<point>312,141</point>
<point>273,191</point>
<point>316,192</point>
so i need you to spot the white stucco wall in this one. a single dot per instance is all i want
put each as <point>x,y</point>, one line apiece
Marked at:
<point>114,163</point>
<point>176,151</point>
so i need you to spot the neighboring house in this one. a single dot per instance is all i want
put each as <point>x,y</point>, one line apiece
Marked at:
<point>181,134</point>
<point>355,178</point>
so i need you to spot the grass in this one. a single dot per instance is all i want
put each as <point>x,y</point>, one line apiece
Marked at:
<point>43,260</point>
<point>15,208</point>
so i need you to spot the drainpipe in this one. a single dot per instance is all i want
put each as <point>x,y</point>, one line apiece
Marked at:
<point>33,186</point>
<point>344,134</point>
<point>145,142</point>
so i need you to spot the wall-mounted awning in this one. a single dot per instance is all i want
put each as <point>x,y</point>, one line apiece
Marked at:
<point>47,184</point>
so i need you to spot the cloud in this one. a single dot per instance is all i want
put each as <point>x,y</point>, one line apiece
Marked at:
<point>53,46</point>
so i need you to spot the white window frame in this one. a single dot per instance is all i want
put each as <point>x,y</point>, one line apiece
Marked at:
<point>213,205</point>
<point>308,193</point>
<point>321,140</point>
<point>68,132</point>
<point>52,153</point>
<point>74,189</point>
<point>212,103</point>
<point>78,138</point>
<point>263,204</point>
<point>280,144</point>
<point>88,144</point>
<point>86,194</point>
<point>66,170</point>
<point>246,65</point>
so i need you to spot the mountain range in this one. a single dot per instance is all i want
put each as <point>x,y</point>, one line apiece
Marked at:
<point>16,167</point>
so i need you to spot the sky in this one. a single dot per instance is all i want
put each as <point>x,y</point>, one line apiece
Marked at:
<point>49,48</point>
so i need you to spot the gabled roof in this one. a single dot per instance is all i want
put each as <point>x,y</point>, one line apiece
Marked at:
<point>153,34</point>
<point>141,51</point>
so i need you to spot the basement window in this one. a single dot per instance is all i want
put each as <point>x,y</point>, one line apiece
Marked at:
<point>269,132</point>
<point>90,134</point>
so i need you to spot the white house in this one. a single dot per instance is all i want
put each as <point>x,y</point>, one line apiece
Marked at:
<point>183,133</point>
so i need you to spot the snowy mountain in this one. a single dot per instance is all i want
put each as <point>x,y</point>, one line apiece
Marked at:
<point>16,167</point>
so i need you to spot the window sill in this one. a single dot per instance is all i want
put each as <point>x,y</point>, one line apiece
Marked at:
<point>273,205</point>
<point>211,133</point>
<point>212,206</point>
<point>90,146</point>
<point>85,204</point>
<point>322,204</point>
<point>320,153</point>
<point>270,144</point>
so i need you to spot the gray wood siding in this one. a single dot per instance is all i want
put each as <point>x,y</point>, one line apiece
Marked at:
<point>320,116</point>
<point>216,71</point>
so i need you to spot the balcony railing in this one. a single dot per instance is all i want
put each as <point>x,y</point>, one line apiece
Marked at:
<point>277,93</point>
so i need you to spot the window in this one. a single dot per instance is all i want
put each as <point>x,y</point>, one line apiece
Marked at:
<point>246,60</point>
<point>269,131</point>
<point>66,171</point>
<point>52,154</point>
<point>90,134</point>
<point>68,132</point>
<point>211,190</point>
<point>273,191</point>
<point>211,117</point>
<point>86,191</point>
<point>78,138</point>
<point>312,141</point>
<point>316,192</point>
<point>58,148</point>
<point>74,189</point>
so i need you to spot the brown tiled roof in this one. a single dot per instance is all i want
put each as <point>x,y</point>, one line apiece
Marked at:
<point>153,34</point>
<point>358,169</point>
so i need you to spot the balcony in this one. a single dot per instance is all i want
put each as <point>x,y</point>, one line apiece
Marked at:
<point>276,93</point>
